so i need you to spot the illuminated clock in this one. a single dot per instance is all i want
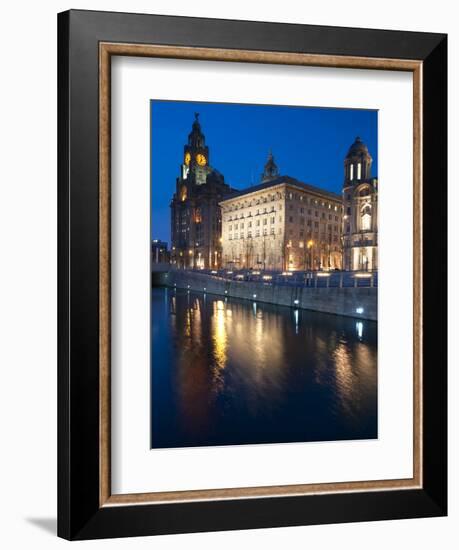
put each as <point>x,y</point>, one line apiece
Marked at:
<point>187,159</point>
<point>201,159</point>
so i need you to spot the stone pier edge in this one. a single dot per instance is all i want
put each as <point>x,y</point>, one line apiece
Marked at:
<point>347,301</point>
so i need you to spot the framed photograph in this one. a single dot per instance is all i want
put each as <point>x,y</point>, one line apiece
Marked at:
<point>252,274</point>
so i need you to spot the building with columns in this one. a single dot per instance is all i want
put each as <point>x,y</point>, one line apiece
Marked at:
<point>281,224</point>
<point>195,211</point>
<point>360,216</point>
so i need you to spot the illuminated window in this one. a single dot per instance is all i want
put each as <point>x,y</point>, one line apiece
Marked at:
<point>359,170</point>
<point>365,222</point>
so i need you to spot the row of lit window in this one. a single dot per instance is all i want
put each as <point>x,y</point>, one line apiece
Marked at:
<point>316,213</point>
<point>257,233</point>
<point>272,197</point>
<point>301,197</point>
<point>249,215</point>
<point>257,223</point>
<point>253,202</point>
<point>327,237</point>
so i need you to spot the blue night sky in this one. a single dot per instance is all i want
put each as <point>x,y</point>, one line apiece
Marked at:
<point>308,143</point>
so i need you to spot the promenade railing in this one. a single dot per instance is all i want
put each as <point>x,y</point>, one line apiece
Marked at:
<point>311,279</point>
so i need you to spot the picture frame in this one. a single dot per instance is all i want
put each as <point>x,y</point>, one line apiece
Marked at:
<point>87,40</point>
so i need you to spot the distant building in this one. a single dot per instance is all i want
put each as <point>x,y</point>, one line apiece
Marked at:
<point>195,210</point>
<point>282,224</point>
<point>159,252</point>
<point>360,202</point>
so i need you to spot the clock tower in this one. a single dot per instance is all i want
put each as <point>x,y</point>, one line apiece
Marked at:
<point>195,211</point>
<point>196,154</point>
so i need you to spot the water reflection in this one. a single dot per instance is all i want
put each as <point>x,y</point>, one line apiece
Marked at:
<point>228,372</point>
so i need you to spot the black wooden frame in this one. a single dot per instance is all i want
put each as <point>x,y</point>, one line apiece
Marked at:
<point>79,513</point>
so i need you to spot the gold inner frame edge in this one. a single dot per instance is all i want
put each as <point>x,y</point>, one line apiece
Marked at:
<point>106,51</point>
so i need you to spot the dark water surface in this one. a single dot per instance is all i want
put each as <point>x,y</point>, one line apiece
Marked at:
<point>230,372</point>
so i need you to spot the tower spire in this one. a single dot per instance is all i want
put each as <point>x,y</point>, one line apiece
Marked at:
<point>270,171</point>
<point>196,138</point>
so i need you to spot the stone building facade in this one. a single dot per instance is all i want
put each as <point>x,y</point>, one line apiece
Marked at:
<point>360,216</point>
<point>281,224</point>
<point>195,211</point>
<point>159,252</point>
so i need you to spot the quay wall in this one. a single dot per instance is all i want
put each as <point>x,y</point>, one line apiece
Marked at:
<point>338,301</point>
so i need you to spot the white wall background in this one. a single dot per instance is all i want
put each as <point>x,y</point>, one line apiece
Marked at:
<point>28,271</point>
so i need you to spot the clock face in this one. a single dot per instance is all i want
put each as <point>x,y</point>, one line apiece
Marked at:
<point>187,159</point>
<point>201,159</point>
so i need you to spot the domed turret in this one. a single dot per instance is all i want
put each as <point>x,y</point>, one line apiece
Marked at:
<point>357,148</point>
<point>357,164</point>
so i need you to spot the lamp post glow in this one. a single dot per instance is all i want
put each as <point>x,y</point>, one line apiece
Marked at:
<point>311,258</point>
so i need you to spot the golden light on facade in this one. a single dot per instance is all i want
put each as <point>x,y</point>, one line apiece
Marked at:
<point>363,275</point>
<point>320,274</point>
<point>310,243</point>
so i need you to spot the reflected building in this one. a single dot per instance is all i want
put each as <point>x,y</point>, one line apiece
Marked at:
<point>311,376</point>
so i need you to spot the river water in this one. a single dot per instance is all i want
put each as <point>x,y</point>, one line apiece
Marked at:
<point>232,372</point>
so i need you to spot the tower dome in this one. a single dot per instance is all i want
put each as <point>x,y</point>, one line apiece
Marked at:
<point>357,148</point>
<point>357,163</point>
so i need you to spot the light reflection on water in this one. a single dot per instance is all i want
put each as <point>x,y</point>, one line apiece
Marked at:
<point>227,372</point>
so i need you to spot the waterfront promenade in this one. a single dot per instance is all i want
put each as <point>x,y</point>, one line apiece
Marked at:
<point>352,294</point>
